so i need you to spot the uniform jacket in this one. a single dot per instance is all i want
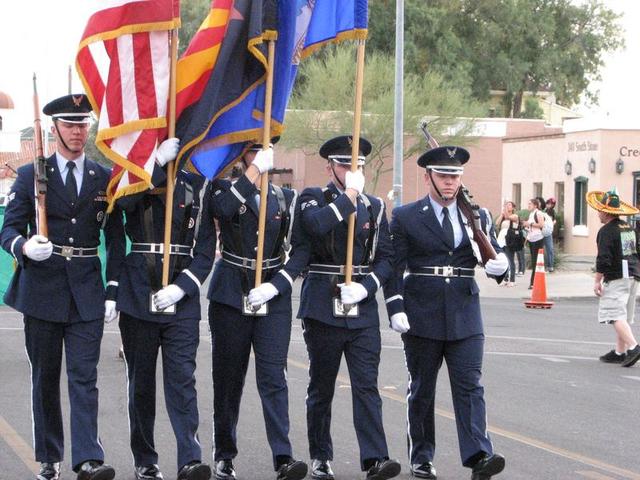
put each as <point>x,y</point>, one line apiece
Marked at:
<point>192,225</point>
<point>437,307</point>
<point>325,226</point>
<point>44,289</point>
<point>236,210</point>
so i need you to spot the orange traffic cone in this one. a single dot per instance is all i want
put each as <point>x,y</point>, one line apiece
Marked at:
<point>539,293</point>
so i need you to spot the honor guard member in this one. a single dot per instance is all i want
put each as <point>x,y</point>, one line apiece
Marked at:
<point>343,319</point>
<point>58,287</point>
<point>261,319</point>
<point>437,309</point>
<point>154,318</point>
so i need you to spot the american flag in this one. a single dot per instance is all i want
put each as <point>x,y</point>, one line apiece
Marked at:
<point>123,62</point>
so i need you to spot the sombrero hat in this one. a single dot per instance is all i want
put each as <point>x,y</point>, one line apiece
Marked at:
<point>609,202</point>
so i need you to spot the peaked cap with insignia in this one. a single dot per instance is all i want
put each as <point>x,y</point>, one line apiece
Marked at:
<point>338,149</point>
<point>70,108</point>
<point>448,160</point>
<point>609,202</point>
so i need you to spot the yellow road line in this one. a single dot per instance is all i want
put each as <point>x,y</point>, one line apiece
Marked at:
<point>593,475</point>
<point>532,442</point>
<point>18,445</point>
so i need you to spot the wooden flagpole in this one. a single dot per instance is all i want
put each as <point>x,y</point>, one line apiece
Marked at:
<point>264,178</point>
<point>171,166</point>
<point>355,152</point>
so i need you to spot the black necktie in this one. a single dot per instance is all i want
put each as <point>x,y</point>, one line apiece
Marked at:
<point>70,183</point>
<point>447,227</point>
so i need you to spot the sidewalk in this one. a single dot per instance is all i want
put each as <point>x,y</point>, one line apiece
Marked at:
<point>560,284</point>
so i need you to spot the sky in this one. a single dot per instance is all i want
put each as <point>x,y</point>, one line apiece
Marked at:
<point>42,36</point>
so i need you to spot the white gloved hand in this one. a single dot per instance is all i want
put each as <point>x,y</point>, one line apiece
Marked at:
<point>263,160</point>
<point>354,180</point>
<point>400,322</point>
<point>110,312</point>
<point>497,266</point>
<point>167,151</point>
<point>38,248</point>
<point>352,293</point>
<point>262,294</point>
<point>168,296</point>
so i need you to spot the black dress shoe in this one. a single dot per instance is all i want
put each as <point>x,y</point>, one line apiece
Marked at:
<point>321,470</point>
<point>383,469</point>
<point>148,472</point>
<point>292,470</point>
<point>424,470</point>
<point>224,470</point>
<point>612,357</point>
<point>487,466</point>
<point>49,471</point>
<point>95,470</point>
<point>195,471</point>
<point>632,356</point>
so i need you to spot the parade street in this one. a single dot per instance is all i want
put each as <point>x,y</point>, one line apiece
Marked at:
<point>554,410</point>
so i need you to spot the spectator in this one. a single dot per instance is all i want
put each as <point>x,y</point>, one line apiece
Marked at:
<point>508,220</point>
<point>549,247</point>
<point>534,236</point>
<point>617,274</point>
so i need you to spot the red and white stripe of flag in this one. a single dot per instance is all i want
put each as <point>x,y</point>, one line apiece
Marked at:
<point>123,61</point>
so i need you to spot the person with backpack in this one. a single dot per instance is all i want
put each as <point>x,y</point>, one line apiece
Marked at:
<point>510,238</point>
<point>534,235</point>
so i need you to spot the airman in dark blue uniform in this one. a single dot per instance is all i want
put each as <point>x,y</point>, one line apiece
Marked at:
<point>153,318</point>
<point>58,287</point>
<point>234,327</point>
<point>437,309</point>
<point>343,319</point>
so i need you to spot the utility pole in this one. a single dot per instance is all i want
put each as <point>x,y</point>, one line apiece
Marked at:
<point>398,111</point>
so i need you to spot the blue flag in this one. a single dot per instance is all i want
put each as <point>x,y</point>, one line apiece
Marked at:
<point>230,114</point>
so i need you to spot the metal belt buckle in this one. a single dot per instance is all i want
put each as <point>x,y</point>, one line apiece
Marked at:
<point>447,271</point>
<point>345,310</point>
<point>170,310</point>
<point>248,310</point>
<point>66,252</point>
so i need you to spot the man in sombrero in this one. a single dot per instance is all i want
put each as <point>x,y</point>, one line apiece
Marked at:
<point>617,274</point>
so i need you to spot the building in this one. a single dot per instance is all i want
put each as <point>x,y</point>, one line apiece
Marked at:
<point>551,112</point>
<point>16,146</point>
<point>483,174</point>
<point>568,164</point>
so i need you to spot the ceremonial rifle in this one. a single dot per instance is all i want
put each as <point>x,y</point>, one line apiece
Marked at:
<point>39,169</point>
<point>469,208</point>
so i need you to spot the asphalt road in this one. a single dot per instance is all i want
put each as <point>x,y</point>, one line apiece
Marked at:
<point>554,411</point>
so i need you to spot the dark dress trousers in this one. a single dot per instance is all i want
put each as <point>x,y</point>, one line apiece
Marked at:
<point>62,299</point>
<point>324,215</point>
<point>233,334</point>
<point>175,335</point>
<point>445,320</point>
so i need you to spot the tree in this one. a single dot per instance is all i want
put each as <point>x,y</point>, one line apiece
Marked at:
<point>322,106</point>
<point>532,45</point>
<point>532,109</point>
<point>92,151</point>
<point>510,45</point>
<point>192,13</point>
